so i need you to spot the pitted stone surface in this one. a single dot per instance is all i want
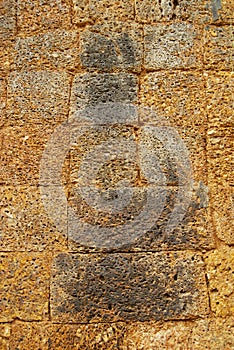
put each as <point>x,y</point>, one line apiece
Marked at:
<point>218,47</point>
<point>109,46</point>
<point>24,222</point>
<point>175,45</point>
<point>52,50</point>
<point>37,97</point>
<point>220,268</point>
<point>25,290</point>
<point>103,10</point>
<point>42,15</point>
<point>92,89</point>
<point>89,288</point>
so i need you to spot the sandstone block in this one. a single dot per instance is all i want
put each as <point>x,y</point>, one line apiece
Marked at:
<point>110,46</point>
<point>91,288</point>
<point>171,46</point>
<point>91,10</point>
<point>25,224</point>
<point>7,19</point>
<point>56,49</point>
<point>42,15</point>
<point>219,265</point>
<point>218,47</point>
<point>25,290</point>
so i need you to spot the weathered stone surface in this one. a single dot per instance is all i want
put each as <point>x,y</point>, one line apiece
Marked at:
<point>91,288</point>
<point>158,336</point>
<point>5,332</point>
<point>174,45</point>
<point>91,10</point>
<point>111,45</point>
<point>42,15</point>
<point>3,94</point>
<point>213,334</point>
<point>25,224</point>
<point>179,99</point>
<point>22,151</point>
<point>219,100</point>
<point>220,266</point>
<point>200,11</point>
<point>91,89</point>
<point>47,336</point>
<point>37,97</point>
<point>218,47</point>
<point>52,50</point>
<point>7,19</point>
<point>25,288</point>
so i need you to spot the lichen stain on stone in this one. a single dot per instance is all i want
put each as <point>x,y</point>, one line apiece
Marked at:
<point>216,5</point>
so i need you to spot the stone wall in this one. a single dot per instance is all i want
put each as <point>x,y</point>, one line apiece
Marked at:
<point>162,71</point>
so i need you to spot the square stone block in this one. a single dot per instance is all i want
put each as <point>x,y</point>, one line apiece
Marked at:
<point>43,15</point>
<point>37,97</point>
<point>220,266</point>
<point>25,286</point>
<point>218,47</point>
<point>92,90</point>
<point>130,287</point>
<point>91,11</point>
<point>22,155</point>
<point>56,49</point>
<point>170,46</point>
<point>178,99</point>
<point>27,224</point>
<point>41,335</point>
<point>108,46</point>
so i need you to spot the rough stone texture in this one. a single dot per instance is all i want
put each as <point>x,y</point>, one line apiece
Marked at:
<point>94,89</point>
<point>25,289</point>
<point>111,45</point>
<point>42,15</point>
<point>25,145</point>
<point>48,336</point>
<point>24,222</point>
<point>218,53</point>
<point>200,11</point>
<point>174,45</point>
<point>103,10</point>
<point>180,99</point>
<point>3,93</point>
<point>220,273</point>
<point>213,334</point>
<point>220,151</point>
<point>52,50</point>
<point>91,288</point>
<point>5,332</point>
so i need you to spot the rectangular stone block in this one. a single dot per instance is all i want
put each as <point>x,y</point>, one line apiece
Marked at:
<point>38,97</point>
<point>136,287</point>
<point>26,224</point>
<point>22,154</point>
<point>108,46</point>
<point>91,90</point>
<point>43,15</point>
<point>178,99</point>
<point>218,47</point>
<point>219,266</point>
<point>24,290</point>
<point>170,46</point>
<point>200,11</point>
<point>56,49</point>
<point>91,10</point>
<point>47,336</point>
